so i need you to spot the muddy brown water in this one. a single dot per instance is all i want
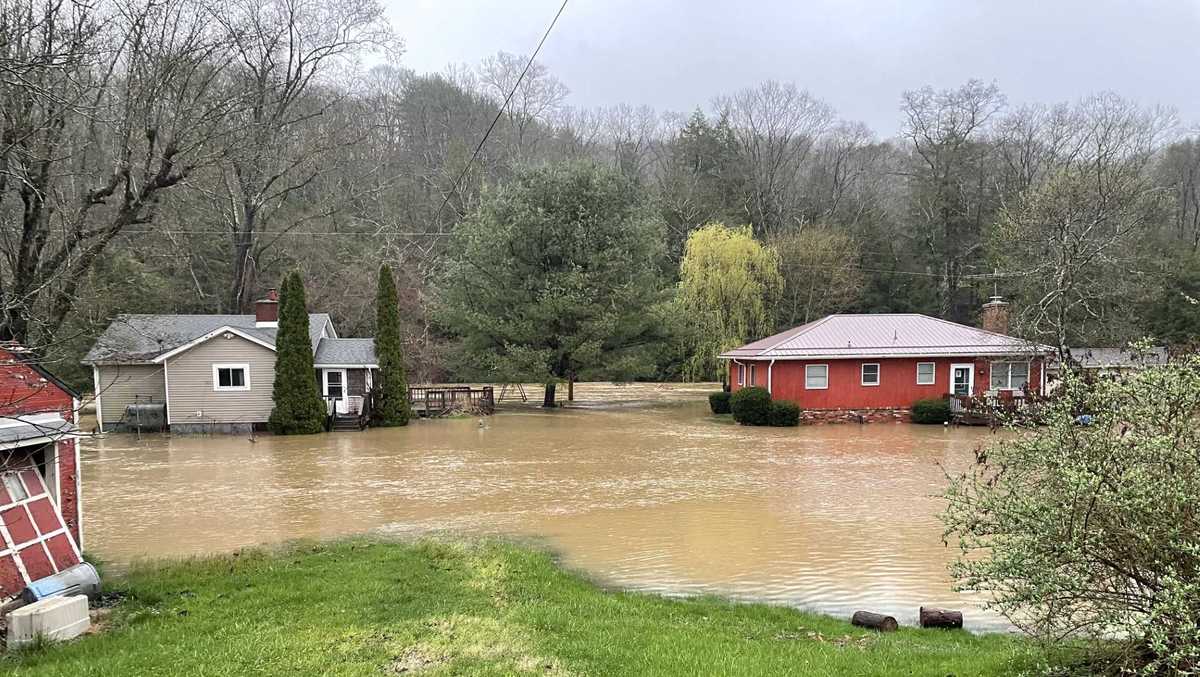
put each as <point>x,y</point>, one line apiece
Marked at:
<point>638,486</point>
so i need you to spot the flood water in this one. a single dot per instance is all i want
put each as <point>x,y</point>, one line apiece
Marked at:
<point>639,487</point>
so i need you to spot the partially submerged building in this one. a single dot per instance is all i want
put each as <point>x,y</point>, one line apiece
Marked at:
<point>215,373</point>
<point>880,364</point>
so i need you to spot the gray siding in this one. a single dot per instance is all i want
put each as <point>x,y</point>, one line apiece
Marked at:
<point>122,385</point>
<point>192,398</point>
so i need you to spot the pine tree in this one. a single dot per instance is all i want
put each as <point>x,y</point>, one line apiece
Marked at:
<point>391,407</point>
<point>299,409</point>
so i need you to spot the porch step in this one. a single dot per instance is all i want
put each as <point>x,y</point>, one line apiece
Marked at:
<point>345,423</point>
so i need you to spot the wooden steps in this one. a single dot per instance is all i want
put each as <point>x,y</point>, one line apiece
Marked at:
<point>345,424</point>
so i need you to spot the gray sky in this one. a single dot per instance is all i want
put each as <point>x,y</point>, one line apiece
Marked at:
<point>858,55</point>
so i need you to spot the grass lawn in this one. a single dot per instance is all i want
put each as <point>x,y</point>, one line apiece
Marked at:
<point>440,607</point>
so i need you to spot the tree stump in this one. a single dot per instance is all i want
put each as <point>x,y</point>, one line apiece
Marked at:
<point>940,618</point>
<point>866,619</point>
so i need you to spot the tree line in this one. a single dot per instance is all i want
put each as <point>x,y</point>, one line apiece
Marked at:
<point>181,155</point>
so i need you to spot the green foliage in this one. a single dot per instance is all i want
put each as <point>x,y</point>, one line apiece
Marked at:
<point>783,414</point>
<point>363,607</point>
<point>558,276</point>
<point>299,409</point>
<point>1092,530</point>
<point>719,402</point>
<point>933,410</point>
<point>391,406</point>
<point>728,286</point>
<point>1172,314</point>
<point>751,406</point>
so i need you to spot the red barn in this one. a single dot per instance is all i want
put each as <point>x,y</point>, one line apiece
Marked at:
<point>882,364</point>
<point>40,517</point>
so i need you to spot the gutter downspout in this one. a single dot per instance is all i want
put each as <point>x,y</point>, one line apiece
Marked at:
<point>769,367</point>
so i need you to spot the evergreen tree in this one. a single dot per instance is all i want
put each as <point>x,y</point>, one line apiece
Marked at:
<point>391,407</point>
<point>299,409</point>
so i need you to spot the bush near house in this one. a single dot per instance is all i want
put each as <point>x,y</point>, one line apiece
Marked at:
<point>299,409</point>
<point>784,414</point>
<point>719,402</point>
<point>751,406</point>
<point>935,410</point>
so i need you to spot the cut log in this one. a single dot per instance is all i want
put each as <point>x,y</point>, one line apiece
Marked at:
<point>932,617</point>
<point>866,619</point>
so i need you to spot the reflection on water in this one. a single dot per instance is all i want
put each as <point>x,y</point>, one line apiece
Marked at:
<point>648,491</point>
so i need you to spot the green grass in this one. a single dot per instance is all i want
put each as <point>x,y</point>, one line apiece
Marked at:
<point>441,607</point>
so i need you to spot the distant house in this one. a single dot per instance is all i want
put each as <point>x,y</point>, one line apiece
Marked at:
<point>40,510</point>
<point>215,373</point>
<point>885,362</point>
<point>1116,360</point>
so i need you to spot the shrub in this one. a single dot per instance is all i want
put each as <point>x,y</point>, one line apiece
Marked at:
<point>784,413</point>
<point>935,410</point>
<point>1090,531</point>
<point>719,402</point>
<point>751,406</point>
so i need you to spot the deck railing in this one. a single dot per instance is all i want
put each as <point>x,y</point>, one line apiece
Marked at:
<point>439,400</point>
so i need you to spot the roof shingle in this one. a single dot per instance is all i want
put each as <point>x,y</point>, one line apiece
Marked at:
<point>141,338</point>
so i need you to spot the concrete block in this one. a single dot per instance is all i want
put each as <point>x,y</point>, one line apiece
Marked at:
<point>57,618</point>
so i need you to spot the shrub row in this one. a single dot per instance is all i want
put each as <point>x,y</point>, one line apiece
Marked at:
<point>931,411</point>
<point>754,406</point>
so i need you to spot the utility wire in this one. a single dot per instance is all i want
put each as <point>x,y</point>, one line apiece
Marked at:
<point>499,113</point>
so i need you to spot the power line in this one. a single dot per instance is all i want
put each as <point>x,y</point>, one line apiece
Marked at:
<point>500,112</point>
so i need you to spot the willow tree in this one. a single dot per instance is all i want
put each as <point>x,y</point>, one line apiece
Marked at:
<point>729,283</point>
<point>298,408</point>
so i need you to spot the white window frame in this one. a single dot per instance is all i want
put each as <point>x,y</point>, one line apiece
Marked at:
<point>810,366</point>
<point>752,365</point>
<point>741,374</point>
<point>1008,380</point>
<point>932,373</point>
<point>862,374</point>
<point>216,371</point>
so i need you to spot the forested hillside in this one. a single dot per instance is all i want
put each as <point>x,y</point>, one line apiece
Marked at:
<point>182,155</point>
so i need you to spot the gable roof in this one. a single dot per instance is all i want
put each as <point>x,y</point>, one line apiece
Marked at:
<point>143,338</point>
<point>882,335</point>
<point>345,352</point>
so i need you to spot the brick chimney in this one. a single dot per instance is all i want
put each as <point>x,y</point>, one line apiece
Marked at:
<point>266,311</point>
<point>994,317</point>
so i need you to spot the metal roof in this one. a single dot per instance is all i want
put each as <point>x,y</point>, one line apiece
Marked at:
<point>141,338</point>
<point>883,335</point>
<point>16,429</point>
<point>345,352</point>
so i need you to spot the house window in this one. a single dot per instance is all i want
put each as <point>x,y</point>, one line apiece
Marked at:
<point>231,377</point>
<point>752,374</point>
<point>816,377</point>
<point>926,373</point>
<point>1009,375</point>
<point>741,374</point>
<point>870,374</point>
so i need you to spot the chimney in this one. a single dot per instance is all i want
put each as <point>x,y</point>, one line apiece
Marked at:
<point>266,311</point>
<point>994,317</point>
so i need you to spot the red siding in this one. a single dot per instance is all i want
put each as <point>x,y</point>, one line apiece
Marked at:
<point>897,388</point>
<point>25,391</point>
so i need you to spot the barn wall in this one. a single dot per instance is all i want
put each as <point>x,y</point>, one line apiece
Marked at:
<point>192,398</point>
<point>897,388</point>
<point>122,385</point>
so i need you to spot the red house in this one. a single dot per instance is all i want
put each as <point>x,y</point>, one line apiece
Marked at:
<point>40,518</point>
<point>882,364</point>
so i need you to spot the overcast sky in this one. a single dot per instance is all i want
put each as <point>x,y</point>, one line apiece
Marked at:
<point>858,55</point>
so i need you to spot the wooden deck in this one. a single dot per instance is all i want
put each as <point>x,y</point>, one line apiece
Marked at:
<point>432,401</point>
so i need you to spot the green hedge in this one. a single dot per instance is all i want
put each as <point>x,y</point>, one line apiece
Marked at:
<point>931,411</point>
<point>719,402</point>
<point>751,406</point>
<point>784,413</point>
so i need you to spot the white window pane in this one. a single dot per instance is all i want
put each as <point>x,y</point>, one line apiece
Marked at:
<point>999,375</point>
<point>926,372</point>
<point>870,374</point>
<point>1019,375</point>
<point>816,376</point>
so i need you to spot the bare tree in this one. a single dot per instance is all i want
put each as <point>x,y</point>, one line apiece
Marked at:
<point>536,99</point>
<point>288,54</point>
<point>105,107</point>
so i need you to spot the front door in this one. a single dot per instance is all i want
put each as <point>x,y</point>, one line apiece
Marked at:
<point>962,379</point>
<point>335,389</point>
